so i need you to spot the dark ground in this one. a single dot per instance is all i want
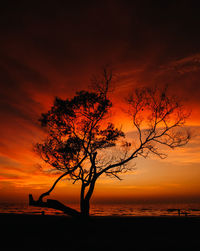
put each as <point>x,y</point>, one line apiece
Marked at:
<point>37,232</point>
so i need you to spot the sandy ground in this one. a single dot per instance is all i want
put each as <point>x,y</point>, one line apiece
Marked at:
<point>37,232</point>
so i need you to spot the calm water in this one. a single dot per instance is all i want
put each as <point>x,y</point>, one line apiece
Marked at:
<point>192,209</point>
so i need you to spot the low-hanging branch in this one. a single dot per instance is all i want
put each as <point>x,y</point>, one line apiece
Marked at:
<point>54,204</point>
<point>51,189</point>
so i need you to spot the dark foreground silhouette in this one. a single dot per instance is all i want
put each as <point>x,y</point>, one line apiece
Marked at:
<point>43,232</point>
<point>80,137</point>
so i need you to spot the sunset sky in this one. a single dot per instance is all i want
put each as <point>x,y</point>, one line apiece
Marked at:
<point>52,48</point>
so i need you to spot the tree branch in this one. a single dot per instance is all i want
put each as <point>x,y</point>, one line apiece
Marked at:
<point>51,189</point>
<point>54,204</point>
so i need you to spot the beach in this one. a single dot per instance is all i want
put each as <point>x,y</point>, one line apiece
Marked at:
<point>47,232</point>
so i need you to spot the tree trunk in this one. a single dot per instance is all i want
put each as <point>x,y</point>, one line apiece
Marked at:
<point>85,208</point>
<point>85,199</point>
<point>84,205</point>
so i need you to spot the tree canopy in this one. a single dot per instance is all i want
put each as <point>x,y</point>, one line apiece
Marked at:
<point>78,130</point>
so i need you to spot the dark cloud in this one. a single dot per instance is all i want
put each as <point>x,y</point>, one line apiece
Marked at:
<point>75,36</point>
<point>50,48</point>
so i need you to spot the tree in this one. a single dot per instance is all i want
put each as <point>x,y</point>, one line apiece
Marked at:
<point>78,133</point>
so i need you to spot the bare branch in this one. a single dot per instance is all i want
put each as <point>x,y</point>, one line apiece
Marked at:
<point>84,146</point>
<point>55,205</point>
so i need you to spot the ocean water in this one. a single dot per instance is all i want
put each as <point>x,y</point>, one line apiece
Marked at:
<point>189,209</point>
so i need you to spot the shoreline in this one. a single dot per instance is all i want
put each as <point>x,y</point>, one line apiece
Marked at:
<point>104,216</point>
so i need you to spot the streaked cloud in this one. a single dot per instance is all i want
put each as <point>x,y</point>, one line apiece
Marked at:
<point>53,50</point>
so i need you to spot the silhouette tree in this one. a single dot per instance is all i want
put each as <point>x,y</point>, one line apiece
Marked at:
<point>83,146</point>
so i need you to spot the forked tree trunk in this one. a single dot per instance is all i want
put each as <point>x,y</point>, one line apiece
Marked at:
<point>84,202</point>
<point>85,199</point>
<point>85,208</point>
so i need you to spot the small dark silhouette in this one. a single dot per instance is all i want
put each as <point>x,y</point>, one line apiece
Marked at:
<point>179,212</point>
<point>83,146</point>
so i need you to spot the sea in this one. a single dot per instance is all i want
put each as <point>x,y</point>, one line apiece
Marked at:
<point>122,210</point>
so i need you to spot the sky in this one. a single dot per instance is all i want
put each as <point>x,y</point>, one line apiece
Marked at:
<point>50,49</point>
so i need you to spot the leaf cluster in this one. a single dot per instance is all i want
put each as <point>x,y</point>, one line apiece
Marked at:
<point>75,131</point>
